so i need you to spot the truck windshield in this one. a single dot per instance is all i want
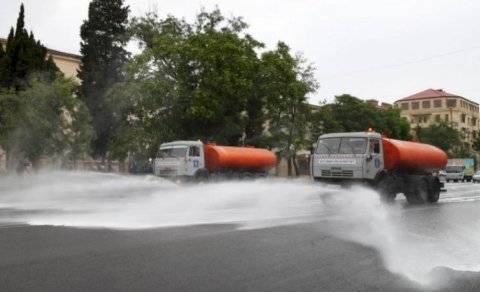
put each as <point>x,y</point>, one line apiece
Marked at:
<point>345,145</point>
<point>454,168</point>
<point>172,151</point>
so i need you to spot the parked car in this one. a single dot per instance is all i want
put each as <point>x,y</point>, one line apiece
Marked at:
<point>476,176</point>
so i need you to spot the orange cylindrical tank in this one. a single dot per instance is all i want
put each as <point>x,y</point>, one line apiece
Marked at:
<point>413,156</point>
<point>238,158</point>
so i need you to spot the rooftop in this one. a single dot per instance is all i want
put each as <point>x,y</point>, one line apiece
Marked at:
<point>50,51</point>
<point>431,93</point>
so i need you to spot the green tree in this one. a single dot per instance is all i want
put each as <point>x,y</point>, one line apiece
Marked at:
<point>441,135</point>
<point>354,114</point>
<point>287,83</point>
<point>44,120</point>
<point>476,143</point>
<point>103,55</point>
<point>350,114</point>
<point>24,55</point>
<point>79,133</point>
<point>393,125</point>
<point>191,81</point>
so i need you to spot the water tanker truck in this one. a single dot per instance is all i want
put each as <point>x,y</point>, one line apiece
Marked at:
<point>388,165</point>
<point>195,161</point>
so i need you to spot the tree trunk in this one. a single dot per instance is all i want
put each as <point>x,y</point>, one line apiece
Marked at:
<point>122,166</point>
<point>295,165</point>
<point>289,166</point>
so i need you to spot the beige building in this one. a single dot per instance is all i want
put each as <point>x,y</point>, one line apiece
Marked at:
<point>435,105</point>
<point>66,63</point>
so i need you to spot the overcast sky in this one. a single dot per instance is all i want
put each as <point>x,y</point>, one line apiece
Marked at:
<point>372,49</point>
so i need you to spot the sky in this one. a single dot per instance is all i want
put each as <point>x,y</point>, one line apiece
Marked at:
<point>372,49</point>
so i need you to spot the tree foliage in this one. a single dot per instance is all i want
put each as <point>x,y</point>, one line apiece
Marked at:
<point>206,81</point>
<point>350,114</point>
<point>441,135</point>
<point>287,82</point>
<point>191,81</point>
<point>103,55</point>
<point>21,119</point>
<point>46,119</point>
<point>22,57</point>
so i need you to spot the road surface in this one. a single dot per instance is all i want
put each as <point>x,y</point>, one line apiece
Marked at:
<point>62,236</point>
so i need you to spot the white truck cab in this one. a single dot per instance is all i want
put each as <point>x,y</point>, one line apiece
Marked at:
<point>179,159</point>
<point>348,156</point>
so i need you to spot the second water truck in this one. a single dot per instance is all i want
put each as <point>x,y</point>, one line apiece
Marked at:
<point>390,166</point>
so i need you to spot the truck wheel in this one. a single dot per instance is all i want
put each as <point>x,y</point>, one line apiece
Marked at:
<point>419,194</point>
<point>246,176</point>
<point>201,176</point>
<point>434,190</point>
<point>386,188</point>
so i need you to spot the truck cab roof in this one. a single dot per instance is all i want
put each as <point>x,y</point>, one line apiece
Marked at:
<point>181,143</point>
<point>352,134</point>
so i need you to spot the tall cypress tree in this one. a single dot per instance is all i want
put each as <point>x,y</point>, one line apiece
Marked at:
<point>103,54</point>
<point>23,56</point>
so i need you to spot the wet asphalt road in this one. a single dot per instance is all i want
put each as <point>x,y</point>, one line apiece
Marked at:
<point>302,257</point>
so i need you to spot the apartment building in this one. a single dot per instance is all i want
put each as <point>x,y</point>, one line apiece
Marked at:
<point>435,105</point>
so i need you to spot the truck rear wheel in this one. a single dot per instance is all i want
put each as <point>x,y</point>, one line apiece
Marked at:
<point>434,190</point>
<point>419,194</point>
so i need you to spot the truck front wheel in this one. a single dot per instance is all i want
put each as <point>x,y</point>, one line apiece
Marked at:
<point>201,176</point>
<point>386,188</point>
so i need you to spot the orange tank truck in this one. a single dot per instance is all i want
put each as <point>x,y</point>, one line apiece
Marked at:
<point>249,159</point>
<point>390,166</point>
<point>195,161</point>
<point>413,157</point>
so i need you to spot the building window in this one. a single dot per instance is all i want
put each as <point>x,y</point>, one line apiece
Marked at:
<point>426,104</point>
<point>415,105</point>
<point>437,118</point>
<point>446,117</point>
<point>451,103</point>
<point>463,118</point>
<point>437,103</point>
<point>405,106</point>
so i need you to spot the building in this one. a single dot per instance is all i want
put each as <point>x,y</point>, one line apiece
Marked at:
<point>377,104</point>
<point>435,105</point>
<point>66,62</point>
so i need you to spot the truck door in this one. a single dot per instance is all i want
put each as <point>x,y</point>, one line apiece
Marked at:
<point>374,160</point>
<point>195,159</point>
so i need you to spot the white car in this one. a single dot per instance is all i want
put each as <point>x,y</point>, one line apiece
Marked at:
<point>476,177</point>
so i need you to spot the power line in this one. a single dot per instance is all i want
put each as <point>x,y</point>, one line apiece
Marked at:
<point>404,63</point>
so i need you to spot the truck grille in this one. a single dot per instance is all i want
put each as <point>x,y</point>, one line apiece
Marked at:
<point>337,173</point>
<point>168,172</point>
